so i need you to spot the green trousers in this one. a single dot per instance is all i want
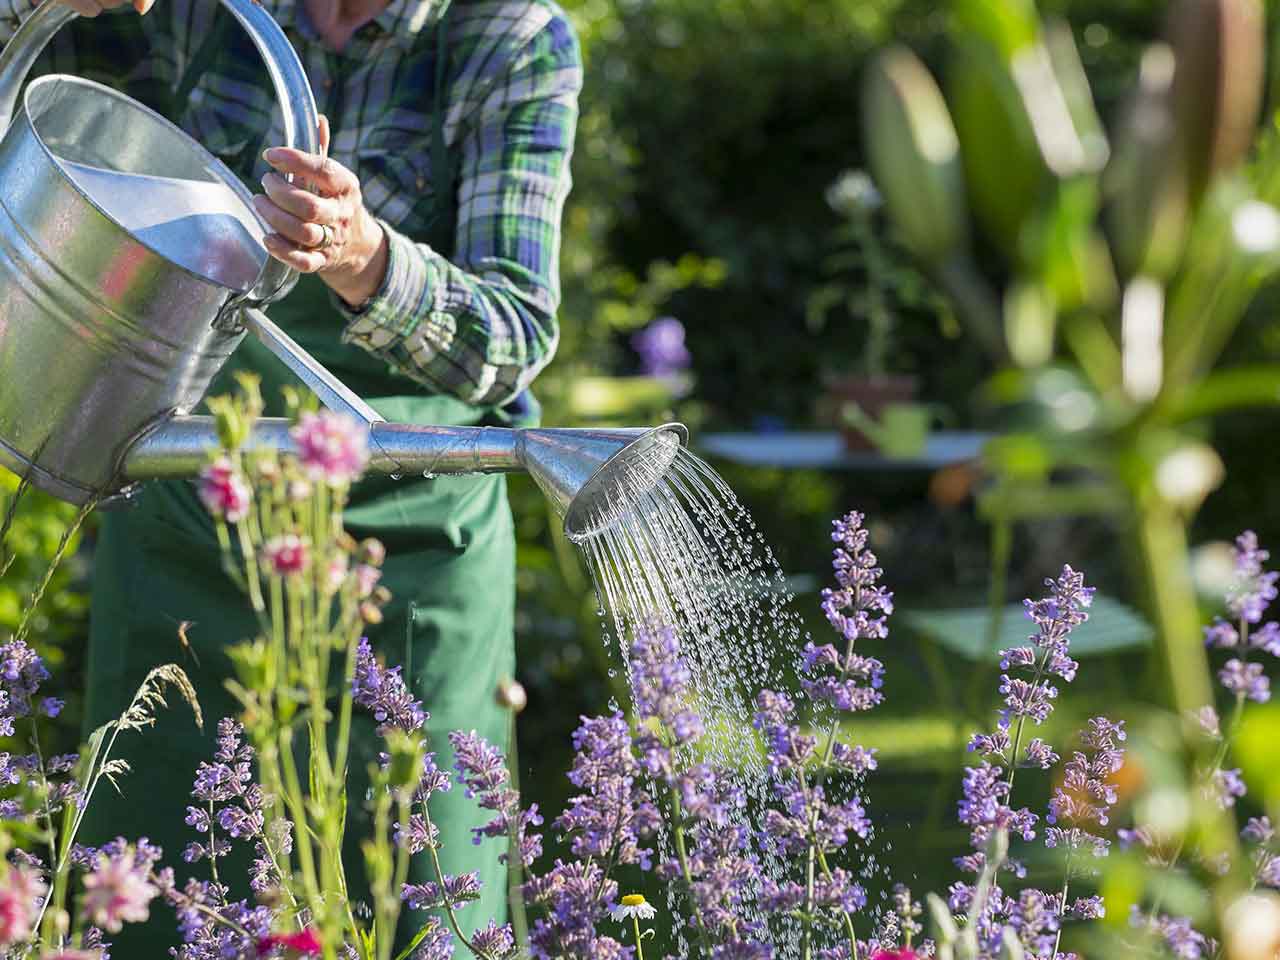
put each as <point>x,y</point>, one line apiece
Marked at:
<point>451,570</point>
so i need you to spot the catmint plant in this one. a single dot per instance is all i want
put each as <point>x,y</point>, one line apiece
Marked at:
<point>1032,920</point>
<point>837,680</point>
<point>1249,640</point>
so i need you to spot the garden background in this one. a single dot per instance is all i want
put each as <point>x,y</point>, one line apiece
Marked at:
<point>711,134</point>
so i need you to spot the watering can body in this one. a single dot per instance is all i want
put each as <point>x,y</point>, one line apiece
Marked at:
<point>126,253</point>
<point>131,266</point>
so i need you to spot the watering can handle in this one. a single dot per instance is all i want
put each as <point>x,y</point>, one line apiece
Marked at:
<point>297,103</point>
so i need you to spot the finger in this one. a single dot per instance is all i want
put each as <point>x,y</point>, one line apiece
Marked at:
<point>86,8</point>
<point>142,6</point>
<point>303,204</point>
<point>328,176</point>
<point>290,254</point>
<point>324,135</point>
<point>302,233</point>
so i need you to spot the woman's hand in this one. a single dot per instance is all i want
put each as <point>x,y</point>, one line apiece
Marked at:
<point>327,232</point>
<point>91,8</point>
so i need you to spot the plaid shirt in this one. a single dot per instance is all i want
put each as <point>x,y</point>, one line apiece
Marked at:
<point>480,323</point>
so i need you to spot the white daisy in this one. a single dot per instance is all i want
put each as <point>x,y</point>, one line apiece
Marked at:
<point>634,905</point>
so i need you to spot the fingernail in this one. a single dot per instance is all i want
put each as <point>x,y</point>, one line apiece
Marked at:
<point>271,155</point>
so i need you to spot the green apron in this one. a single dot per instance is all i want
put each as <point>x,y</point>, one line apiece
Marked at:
<point>451,570</point>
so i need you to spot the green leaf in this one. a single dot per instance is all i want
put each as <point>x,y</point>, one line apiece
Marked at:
<point>418,937</point>
<point>1111,627</point>
<point>1255,385</point>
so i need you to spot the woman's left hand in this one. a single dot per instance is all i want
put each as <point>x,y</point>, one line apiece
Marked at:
<point>325,230</point>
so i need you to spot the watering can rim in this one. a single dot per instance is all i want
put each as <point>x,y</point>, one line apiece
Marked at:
<point>574,526</point>
<point>230,180</point>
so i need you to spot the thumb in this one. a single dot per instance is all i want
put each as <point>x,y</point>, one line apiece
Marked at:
<point>324,123</point>
<point>142,6</point>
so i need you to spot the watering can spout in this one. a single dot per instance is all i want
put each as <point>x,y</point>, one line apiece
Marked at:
<point>586,473</point>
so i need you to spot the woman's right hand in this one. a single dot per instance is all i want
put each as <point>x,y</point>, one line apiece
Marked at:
<point>91,8</point>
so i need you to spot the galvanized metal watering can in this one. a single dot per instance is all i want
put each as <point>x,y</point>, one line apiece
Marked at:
<point>132,265</point>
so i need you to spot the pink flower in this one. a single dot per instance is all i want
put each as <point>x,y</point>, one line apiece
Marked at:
<point>367,578</point>
<point>336,573</point>
<point>73,955</point>
<point>21,892</point>
<point>224,491</point>
<point>331,446</point>
<point>287,555</point>
<point>117,892</point>
<point>304,944</point>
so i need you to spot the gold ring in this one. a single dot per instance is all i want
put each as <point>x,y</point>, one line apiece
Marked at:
<point>328,237</point>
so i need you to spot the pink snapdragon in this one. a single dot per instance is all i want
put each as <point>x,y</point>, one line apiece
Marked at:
<point>224,490</point>
<point>332,447</point>
<point>118,892</point>
<point>21,891</point>
<point>287,555</point>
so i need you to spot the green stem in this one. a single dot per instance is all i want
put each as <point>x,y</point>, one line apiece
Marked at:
<point>448,904</point>
<point>635,919</point>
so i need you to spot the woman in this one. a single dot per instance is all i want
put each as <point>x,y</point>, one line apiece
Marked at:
<point>429,254</point>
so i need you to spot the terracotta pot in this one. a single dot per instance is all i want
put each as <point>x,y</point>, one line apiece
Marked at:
<point>872,394</point>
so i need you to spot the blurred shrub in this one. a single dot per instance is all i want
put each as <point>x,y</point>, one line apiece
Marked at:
<point>58,630</point>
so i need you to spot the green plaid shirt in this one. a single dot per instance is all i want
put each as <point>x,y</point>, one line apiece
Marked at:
<point>477,322</point>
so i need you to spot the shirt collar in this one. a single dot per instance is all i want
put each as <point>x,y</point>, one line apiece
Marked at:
<point>402,20</point>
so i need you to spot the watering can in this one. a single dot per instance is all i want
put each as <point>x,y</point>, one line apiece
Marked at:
<point>132,265</point>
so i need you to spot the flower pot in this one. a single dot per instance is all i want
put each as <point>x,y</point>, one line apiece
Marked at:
<point>871,395</point>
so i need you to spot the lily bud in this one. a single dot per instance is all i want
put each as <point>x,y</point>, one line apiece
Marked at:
<point>1146,184</point>
<point>914,155</point>
<point>1004,170</point>
<point>1219,48</point>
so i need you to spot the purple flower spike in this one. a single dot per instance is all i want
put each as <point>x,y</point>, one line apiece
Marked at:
<point>383,692</point>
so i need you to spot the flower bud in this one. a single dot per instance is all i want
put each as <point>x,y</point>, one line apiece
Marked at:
<point>1146,183</point>
<point>370,613</point>
<point>1004,170</point>
<point>299,490</point>
<point>914,155</point>
<point>1251,927</point>
<point>511,695</point>
<point>1218,48</point>
<point>372,551</point>
<point>404,759</point>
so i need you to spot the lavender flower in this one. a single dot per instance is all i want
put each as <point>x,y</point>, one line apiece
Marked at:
<point>662,348</point>
<point>1245,680</point>
<point>1225,787</point>
<point>857,609</point>
<point>204,936</point>
<point>612,813</point>
<point>1082,801</point>
<point>483,771</point>
<point>383,692</point>
<point>1177,935</point>
<point>453,892</point>
<point>495,941</point>
<point>1253,588</point>
<point>573,899</point>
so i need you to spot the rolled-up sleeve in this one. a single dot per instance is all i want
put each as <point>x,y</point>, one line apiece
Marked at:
<point>482,325</point>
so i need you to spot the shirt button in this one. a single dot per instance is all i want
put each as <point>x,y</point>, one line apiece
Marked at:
<point>422,183</point>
